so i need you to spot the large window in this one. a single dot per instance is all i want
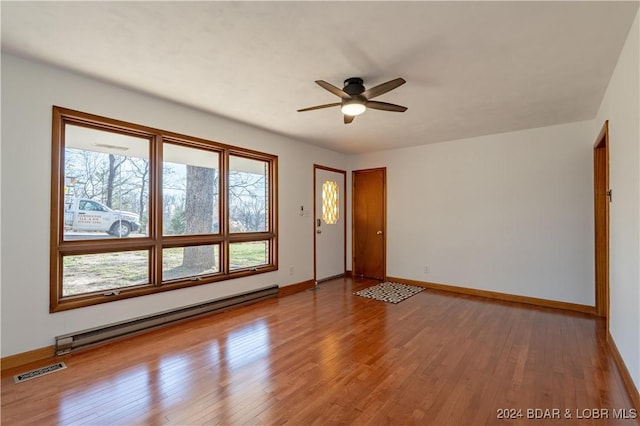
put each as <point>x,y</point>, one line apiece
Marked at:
<point>137,210</point>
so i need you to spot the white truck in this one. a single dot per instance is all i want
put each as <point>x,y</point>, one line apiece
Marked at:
<point>84,215</point>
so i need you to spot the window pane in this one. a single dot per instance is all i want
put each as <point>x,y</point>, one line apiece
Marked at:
<point>88,273</point>
<point>190,191</point>
<point>106,184</point>
<point>182,262</point>
<point>248,195</point>
<point>248,255</point>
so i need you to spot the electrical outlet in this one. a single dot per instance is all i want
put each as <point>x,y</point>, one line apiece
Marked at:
<point>426,269</point>
<point>291,270</point>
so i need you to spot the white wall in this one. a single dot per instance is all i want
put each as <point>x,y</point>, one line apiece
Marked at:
<point>28,92</point>
<point>511,213</point>
<point>621,106</point>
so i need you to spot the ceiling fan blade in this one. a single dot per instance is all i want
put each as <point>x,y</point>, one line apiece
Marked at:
<point>385,106</point>
<point>383,88</point>
<point>348,118</point>
<point>333,89</point>
<point>319,107</point>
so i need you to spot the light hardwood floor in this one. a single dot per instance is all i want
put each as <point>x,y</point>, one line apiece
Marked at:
<point>329,357</point>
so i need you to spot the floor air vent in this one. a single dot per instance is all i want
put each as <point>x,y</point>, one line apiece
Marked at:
<point>100,335</point>
<point>23,377</point>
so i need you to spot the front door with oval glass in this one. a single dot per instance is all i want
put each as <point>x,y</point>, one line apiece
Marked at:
<point>329,223</point>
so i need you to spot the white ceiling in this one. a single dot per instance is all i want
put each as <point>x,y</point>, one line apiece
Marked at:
<point>472,68</point>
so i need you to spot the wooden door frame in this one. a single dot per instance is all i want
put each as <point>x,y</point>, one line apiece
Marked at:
<point>342,209</point>
<point>601,200</point>
<point>384,219</point>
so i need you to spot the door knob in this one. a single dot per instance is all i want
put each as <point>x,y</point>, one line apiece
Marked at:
<point>379,233</point>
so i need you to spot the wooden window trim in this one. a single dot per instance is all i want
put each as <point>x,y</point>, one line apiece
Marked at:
<point>155,242</point>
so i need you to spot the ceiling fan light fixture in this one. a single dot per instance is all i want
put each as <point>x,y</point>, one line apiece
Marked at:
<point>353,107</point>
<point>355,99</point>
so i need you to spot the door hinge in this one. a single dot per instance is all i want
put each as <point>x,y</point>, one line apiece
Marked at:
<point>610,195</point>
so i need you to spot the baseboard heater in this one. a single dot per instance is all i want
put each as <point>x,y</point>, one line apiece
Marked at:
<point>100,335</point>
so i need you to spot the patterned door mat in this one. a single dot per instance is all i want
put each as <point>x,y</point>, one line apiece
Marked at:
<point>389,292</point>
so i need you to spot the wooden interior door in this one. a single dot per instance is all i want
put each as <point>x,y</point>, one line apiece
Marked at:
<point>601,198</point>
<point>369,223</point>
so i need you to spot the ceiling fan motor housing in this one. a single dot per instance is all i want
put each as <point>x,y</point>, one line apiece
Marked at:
<point>353,86</point>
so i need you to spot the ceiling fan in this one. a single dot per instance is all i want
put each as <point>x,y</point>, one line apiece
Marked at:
<point>355,99</point>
